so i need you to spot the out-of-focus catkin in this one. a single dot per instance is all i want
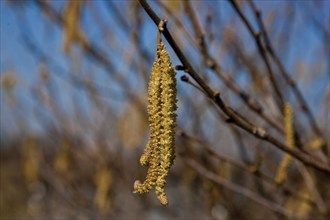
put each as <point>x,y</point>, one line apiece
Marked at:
<point>282,169</point>
<point>159,152</point>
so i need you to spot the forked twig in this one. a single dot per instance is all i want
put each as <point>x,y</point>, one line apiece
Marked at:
<point>239,120</point>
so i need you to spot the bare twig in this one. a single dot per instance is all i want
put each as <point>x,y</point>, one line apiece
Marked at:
<point>185,79</point>
<point>238,189</point>
<point>215,96</point>
<point>177,21</point>
<point>248,168</point>
<point>196,26</point>
<point>257,38</point>
<point>213,65</point>
<point>310,183</point>
<point>284,73</point>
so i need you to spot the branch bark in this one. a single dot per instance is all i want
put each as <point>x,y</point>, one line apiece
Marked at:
<point>243,191</point>
<point>269,47</point>
<point>237,119</point>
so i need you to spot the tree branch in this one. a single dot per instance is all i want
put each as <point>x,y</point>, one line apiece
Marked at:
<point>215,96</point>
<point>284,73</point>
<point>262,51</point>
<point>252,169</point>
<point>211,63</point>
<point>243,191</point>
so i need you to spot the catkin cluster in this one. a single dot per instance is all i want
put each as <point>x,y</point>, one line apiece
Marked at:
<point>160,152</point>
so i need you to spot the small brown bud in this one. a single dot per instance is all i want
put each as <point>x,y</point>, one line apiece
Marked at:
<point>185,78</point>
<point>180,67</point>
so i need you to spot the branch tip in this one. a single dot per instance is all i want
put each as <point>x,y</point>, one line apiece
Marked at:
<point>180,67</point>
<point>229,120</point>
<point>185,78</point>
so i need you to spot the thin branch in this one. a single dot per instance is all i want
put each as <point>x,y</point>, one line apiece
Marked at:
<point>257,38</point>
<point>311,186</point>
<point>211,63</point>
<point>196,26</point>
<point>238,189</point>
<point>215,96</point>
<point>185,79</point>
<point>91,50</point>
<point>284,73</point>
<point>248,168</point>
<point>177,21</point>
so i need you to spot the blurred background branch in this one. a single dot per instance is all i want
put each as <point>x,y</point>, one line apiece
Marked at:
<point>73,116</point>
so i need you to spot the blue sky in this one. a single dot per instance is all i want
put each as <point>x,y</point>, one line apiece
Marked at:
<point>15,21</point>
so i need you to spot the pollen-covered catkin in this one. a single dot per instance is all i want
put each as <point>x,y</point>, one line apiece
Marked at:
<point>168,123</point>
<point>151,155</point>
<point>282,169</point>
<point>154,110</point>
<point>159,153</point>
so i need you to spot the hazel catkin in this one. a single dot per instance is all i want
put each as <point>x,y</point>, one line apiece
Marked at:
<point>160,152</point>
<point>282,170</point>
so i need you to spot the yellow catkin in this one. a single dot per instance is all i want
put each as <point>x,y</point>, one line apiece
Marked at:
<point>72,31</point>
<point>315,144</point>
<point>168,123</point>
<point>8,83</point>
<point>159,153</point>
<point>151,155</point>
<point>301,209</point>
<point>62,160</point>
<point>31,160</point>
<point>282,169</point>
<point>103,180</point>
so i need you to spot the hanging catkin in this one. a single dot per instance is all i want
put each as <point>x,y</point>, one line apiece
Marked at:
<point>282,170</point>
<point>160,152</point>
